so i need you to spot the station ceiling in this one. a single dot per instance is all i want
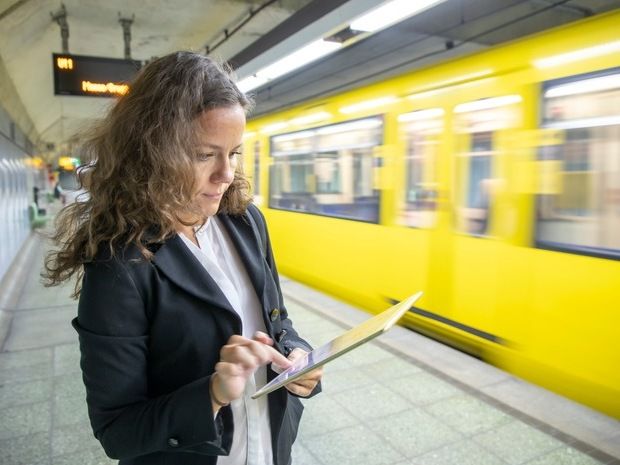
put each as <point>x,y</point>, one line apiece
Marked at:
<point>242,31</point>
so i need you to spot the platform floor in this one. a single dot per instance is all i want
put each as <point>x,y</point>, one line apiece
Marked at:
<point>400,400</point>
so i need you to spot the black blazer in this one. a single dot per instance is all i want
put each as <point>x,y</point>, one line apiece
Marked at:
<point>150,335</point>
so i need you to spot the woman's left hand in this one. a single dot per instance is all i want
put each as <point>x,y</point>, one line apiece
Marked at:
<point>303,386</point>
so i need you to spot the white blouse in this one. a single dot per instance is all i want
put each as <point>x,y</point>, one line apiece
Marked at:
<point>252,434</point>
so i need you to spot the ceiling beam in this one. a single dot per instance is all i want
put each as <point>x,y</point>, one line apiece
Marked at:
<point>12,8</point>
<point>310,13</point>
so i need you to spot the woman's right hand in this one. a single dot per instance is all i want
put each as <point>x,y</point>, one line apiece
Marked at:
<point>239,359</point>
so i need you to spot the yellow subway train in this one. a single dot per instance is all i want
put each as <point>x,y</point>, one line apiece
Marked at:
<point>491,182</point>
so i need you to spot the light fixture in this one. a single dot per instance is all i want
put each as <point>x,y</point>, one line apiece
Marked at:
<point>387,14</point>
<point>297,59</point>
<point>487,103</point>
<point>390,13</point>
<point>251,82</point>
<point>584,86</point>
<point>418,115</point>
<point>368,104</point>
<point>576,55</point>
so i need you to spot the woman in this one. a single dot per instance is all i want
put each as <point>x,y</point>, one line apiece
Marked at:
<point>180,310</point>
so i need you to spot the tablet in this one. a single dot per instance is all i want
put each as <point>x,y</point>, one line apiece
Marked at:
<point>342,344</point>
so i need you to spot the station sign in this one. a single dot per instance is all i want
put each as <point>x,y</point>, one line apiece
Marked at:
<point>92,76</point>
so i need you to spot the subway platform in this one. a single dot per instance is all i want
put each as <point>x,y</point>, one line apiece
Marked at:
<point>401,399</point>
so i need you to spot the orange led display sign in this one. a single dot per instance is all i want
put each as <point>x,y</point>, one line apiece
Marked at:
<point>92,76</point>
<point>64,63</point>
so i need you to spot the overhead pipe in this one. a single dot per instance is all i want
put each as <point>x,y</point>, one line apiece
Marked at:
<point>126,25</point>
<point>229,32</point>
<point>60,17</point>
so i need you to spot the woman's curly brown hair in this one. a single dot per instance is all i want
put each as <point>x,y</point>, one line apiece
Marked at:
<point>141,179</point>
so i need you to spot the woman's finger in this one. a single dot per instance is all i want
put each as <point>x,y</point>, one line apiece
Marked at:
<point>298,389</point>
<point>268,354</point>
<point>262,337</point>
<point>306,383</point>
<point>236,339</point>
<point>243,356</point>
<point>315,374</point>
<point>277,358</point>
<point>296,354</point>
<point>229,369</point>
<point>251,353</point>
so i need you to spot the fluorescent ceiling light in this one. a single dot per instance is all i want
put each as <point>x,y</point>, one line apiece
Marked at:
<point>430,113</point>
<point>584,86</point>
<point>368,104</point>
<point>381,17</point>
<point>297,59</point>
<point>312,118</point>
<point>390,13</point>
<point>584,53</point>
<point>487,103</point>
<point>250,82</point>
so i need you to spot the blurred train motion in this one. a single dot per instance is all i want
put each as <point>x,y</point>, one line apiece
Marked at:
<point>491,182</point>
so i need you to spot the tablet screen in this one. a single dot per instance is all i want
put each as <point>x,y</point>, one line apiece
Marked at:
<point>342,344</point>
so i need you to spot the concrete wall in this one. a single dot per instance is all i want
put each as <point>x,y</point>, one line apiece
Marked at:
<point>17,178</point>
<point>14,110</point>
<point>16,182</point>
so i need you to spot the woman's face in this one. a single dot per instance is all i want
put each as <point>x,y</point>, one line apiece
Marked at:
<point>219,136</point>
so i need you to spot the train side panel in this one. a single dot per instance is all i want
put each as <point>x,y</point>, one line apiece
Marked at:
<point>492,183</point>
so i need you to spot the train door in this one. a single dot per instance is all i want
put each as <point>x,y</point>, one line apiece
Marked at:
<point>421,131</point>
<point>420,199</point>
<point>480,163</point>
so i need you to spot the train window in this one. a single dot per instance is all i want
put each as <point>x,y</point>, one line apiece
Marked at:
<point>421,131</point>
<point>477,124</point>
<point>327,170</point>
<point>580,210</point>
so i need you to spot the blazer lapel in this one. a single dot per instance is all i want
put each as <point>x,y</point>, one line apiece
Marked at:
<point>181,266</point>
<point>244,239</point>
